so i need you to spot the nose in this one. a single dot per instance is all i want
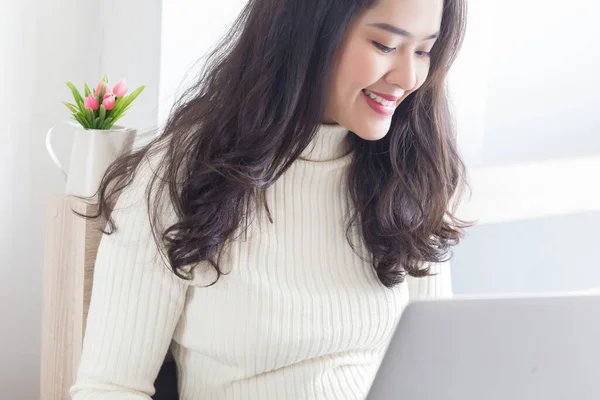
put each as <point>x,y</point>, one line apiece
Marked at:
<point>403,72</point>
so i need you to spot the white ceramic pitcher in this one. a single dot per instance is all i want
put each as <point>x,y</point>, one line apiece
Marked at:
<point>91,154</point>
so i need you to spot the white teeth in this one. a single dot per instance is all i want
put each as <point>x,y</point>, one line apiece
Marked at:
<point>380,100</point>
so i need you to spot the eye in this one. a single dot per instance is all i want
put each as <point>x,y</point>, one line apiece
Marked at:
<point>383,48</point>
<point>423,53</point>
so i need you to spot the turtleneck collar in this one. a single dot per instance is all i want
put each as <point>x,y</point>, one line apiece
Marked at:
<point>329,144</point>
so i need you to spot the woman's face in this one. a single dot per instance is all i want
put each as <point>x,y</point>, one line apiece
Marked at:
<point>383,59</point>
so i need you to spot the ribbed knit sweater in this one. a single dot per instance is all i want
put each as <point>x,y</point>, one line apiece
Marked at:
<point>299,315</point>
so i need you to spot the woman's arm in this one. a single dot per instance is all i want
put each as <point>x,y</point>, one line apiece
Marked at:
<point>432,287</point>
<point>135,306</point>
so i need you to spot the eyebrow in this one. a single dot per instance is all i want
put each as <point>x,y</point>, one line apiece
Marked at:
<point>401,32</point>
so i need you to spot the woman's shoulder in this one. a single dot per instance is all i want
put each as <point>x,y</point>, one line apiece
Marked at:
<point>147,191</point>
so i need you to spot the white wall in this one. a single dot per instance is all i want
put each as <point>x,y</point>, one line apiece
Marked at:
<point>19,284</point>
<point>189,30</point>
<point>557,253</point>
<point>43,44</point>
<point>469,81</point>
<point>37,60</point>
<point>131,50</point>
<point>525,93</point>
<point>543,81</point>
<point>526,86</point>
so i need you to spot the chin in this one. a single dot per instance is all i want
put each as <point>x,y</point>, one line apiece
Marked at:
<point>373,131</point>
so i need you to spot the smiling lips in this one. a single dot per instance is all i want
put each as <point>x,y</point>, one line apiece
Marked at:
<point>382,104</point>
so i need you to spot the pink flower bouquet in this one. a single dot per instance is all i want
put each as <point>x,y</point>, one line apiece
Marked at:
<point>101,108</point>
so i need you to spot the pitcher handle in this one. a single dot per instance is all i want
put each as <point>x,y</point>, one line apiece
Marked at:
<point>52,153</point>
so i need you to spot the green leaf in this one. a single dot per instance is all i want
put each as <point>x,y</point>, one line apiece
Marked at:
<point>121,113</point>
<point>90,117</point>
<point>128,100</point>
<point>82,121</point>
<point>71,107</point>
<point>102,113</point>
<point>87,89</point>
<point>76,95</point>
<point>108,123</point>
<point>133,95</point>
<point>101,94</point>
<point>123,102</point>
<point>116,115</point>
<point>118,104</point>
<point>97,124</point>
<point>105,78</point>
<point>116,119</point>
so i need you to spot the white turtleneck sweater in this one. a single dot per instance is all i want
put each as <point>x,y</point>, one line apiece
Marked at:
<point>299,316</point>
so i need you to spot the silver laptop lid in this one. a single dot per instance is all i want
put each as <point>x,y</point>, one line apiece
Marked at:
<point>529,348</point>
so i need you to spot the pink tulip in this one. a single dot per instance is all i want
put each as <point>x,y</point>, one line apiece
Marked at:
<point>107,95</point>
<point>100,86</point>
<point>109,102</point>
<point>91,102</point>
<point>120,88</point>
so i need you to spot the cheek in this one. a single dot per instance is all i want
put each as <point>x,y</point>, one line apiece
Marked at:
<point>422,77</point>
<point>357,69</point>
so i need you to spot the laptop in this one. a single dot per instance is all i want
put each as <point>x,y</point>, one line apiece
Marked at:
<point>519,348</point>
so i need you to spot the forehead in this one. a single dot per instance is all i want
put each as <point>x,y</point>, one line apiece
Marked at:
<point>420,17</point>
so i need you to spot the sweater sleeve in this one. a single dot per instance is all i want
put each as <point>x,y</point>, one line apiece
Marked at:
<point>437,286</point>
<point>135,305</point>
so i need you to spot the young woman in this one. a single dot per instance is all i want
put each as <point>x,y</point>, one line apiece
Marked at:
<point>265,236</point>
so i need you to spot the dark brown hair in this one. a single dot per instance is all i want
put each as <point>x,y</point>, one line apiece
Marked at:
<point>257,106</point>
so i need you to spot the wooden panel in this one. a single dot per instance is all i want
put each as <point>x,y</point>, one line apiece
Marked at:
<point>71,244</point>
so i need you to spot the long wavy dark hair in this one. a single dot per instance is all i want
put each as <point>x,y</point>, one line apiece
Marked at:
<point>258,104</point>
